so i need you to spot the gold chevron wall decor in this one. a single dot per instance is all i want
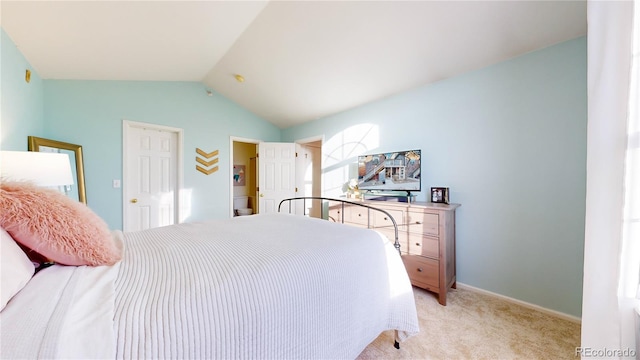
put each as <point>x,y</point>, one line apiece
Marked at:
<point>207,169</point>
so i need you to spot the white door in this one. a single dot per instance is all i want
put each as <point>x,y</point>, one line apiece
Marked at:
<point>276,175</point>
<point>150,178</point>
<point>308,168</point>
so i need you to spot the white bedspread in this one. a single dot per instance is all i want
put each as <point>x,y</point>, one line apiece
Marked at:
<point>259,287</point>
<point>266,286</point>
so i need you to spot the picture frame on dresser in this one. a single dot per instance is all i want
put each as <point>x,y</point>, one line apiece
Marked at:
<point>440,195</point>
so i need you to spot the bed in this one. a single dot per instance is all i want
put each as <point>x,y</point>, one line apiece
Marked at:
<point>272,286</point>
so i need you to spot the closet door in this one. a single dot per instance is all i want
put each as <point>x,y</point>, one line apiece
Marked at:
<point>150,178</point>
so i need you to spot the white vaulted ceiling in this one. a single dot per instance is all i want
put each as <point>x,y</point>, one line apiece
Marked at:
<point>301,60</point>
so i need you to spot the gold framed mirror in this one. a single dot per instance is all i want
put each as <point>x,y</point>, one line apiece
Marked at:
<point>77,190</point>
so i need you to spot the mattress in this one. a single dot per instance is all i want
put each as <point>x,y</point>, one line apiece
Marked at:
<point>260,287</point>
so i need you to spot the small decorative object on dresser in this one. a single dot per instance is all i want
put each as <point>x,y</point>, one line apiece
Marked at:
<point>440,195</point>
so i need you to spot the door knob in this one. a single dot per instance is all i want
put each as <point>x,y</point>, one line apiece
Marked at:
<point>261,195</point>
<point>133,201</point>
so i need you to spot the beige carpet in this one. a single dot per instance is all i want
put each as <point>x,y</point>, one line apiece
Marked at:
<point>479,326</point>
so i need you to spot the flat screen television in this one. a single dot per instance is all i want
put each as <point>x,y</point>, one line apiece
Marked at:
<point>391,171</point>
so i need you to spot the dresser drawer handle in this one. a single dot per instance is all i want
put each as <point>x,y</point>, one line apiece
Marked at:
<point>386,218</point>
<point>418,222</point>
<point>419,269</point>
<point>417,244</point>
<point>359,214</point>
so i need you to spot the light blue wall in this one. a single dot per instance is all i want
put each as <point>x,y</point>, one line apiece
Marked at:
<point>21,102</point>
<point>510,142</point>
<point>90,113</point>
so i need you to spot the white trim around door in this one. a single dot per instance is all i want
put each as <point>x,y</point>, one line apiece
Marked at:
<point>127,125</point>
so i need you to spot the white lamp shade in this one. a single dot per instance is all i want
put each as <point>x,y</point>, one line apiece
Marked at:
<point>40,168</point>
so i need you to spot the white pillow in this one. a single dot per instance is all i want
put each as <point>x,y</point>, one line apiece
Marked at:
<point>15,268</point>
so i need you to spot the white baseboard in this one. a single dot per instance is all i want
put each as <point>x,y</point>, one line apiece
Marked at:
<point>559,314</point>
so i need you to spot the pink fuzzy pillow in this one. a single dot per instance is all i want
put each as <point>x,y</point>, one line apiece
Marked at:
<point>56,226</point>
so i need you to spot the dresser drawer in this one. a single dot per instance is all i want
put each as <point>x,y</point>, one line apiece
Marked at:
<point>357,215</point>
<point>381,219</point>
<point>335,214</point>
<point>353,215</point>
<point>407,245</point>
<point>421,223</point>
<point>390,234</point>
<point>422,271</point>
<point>411,247</point>
<point>423,245</point>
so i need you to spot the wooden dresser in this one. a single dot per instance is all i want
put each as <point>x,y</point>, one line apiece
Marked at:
<point>427,236</point>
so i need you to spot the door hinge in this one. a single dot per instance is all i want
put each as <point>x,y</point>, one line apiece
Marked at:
<point>296,189</point>
<point>257,188</point>
<point>296,154</point>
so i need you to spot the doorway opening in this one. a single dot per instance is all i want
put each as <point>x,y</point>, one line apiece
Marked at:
<point>308,174</point>
<point>244,170</point>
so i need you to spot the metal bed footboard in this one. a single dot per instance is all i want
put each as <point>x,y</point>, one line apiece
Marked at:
<point>396,243</point>
<point>342,202</point>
